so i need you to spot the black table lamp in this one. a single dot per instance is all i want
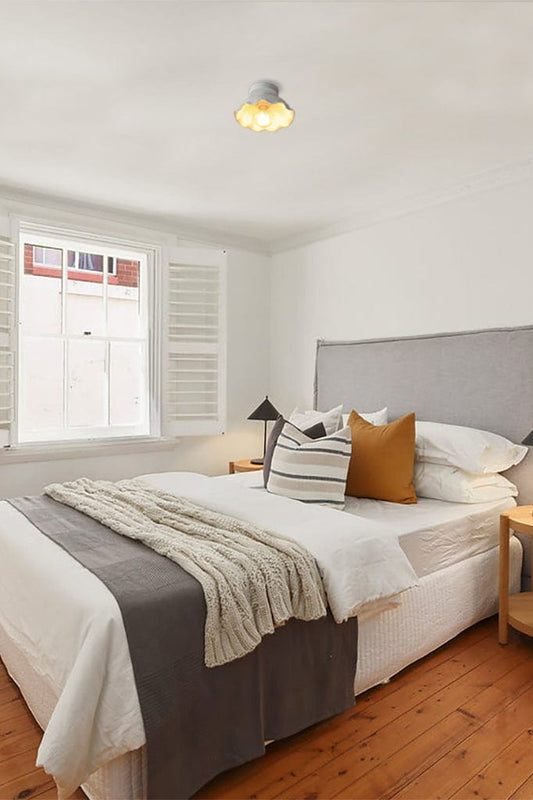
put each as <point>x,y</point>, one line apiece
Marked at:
<point>264,411</point>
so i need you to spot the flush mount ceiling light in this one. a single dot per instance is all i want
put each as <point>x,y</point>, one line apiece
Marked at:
<point>264,109</point>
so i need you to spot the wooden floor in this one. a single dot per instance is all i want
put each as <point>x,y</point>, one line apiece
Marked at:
<point>457,724</point>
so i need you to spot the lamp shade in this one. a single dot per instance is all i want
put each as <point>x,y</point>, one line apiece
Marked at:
<point>264,109</point>
<point>265,411</point>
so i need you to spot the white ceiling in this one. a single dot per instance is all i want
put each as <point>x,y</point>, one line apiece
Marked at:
<point>130,105</point>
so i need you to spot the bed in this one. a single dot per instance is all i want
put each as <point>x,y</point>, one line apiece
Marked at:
<point>456,560</point>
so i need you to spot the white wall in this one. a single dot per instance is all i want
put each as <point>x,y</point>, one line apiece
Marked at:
<point>248,306</point>
<point>462,265</point>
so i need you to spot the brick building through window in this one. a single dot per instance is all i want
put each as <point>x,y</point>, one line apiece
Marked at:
<point>46,262</point>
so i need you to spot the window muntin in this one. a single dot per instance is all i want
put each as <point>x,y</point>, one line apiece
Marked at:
<point>84,370</point>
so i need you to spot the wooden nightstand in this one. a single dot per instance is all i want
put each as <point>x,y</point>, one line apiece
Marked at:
<point>516,609</point>
<point>243,466</point>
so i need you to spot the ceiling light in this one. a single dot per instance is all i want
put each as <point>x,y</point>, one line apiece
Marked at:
<point>264,109</point>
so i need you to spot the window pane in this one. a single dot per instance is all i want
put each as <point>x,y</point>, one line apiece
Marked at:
<point>87,378</point>
<point>123,308</point>
<point>47,256</point>
<point>126,383</point>
<point>85,305</point>
<point>40,310</point>
<point>90,262</point>
<point>41,385</point>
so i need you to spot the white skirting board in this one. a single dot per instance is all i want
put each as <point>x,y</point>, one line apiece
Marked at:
<point>444,604</point>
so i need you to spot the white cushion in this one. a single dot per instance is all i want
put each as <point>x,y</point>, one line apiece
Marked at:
<point>380,417</point>
<point>311,470</point>
<point>331,419</point>
<point>454,485</point>
<point>467,448</point>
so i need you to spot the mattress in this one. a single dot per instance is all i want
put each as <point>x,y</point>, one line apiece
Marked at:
<point>85,660</point>
<point>441,606</point>
<point>432,533</point>
<point>431,615</point>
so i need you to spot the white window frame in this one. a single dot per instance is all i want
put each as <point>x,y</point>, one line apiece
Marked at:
<point>58,236</point>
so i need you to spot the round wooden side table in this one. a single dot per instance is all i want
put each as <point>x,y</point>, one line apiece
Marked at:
<point>516,609</point>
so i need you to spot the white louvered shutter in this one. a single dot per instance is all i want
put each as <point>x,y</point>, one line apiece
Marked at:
<point>7,309</point>
<point>194,367</point>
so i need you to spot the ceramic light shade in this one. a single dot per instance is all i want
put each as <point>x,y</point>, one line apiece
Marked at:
<point>264,110</point>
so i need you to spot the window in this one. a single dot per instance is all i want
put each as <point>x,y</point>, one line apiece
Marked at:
<point>107,339</point>
<point>83,356</point>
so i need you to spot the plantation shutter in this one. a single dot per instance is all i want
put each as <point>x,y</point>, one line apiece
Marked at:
<point>7,309</point>
<point>195,343</point>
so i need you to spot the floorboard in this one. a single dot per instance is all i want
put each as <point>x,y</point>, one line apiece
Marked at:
<point>456,724</point>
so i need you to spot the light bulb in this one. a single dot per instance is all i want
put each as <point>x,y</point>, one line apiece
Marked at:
<point>263,119</point>
<point>265,110</point>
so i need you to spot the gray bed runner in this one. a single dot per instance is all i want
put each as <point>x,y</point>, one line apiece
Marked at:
<point>253,579</point>
<point>200,721</point>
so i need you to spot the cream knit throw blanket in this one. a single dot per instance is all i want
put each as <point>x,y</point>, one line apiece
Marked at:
<point>253,579</point>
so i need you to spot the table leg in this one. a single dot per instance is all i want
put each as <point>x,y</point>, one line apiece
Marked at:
<point>504,579</point>
<point>531,570</point>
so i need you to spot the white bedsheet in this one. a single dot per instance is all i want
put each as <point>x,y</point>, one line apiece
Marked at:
<point>69,626</point>
<point>432,533</point>
<point>360,560</point>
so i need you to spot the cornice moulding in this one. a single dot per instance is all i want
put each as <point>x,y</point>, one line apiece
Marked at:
<point>505,175</point>
<point>170,225</point>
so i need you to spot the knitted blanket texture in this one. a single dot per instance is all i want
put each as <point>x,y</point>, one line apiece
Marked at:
<point>253,579</point>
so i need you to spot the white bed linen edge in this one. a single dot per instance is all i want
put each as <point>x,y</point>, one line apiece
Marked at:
<point>86,660</point>
<point>70,629</point>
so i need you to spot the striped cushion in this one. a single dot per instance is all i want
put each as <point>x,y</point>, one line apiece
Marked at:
<point>311,470</point>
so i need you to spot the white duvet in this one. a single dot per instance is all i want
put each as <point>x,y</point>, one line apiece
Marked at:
<point>70,629</point>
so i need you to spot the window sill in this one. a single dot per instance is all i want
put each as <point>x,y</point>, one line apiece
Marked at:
<point>47,451</point>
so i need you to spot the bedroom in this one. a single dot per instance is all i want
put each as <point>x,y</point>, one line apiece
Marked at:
<point>397,204</point>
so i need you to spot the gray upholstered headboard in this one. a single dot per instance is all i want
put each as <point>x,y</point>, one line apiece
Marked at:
<point>483,379</point>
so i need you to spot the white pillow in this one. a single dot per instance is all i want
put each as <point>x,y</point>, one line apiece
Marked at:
<point>466,448</point>
<point>457,486</point>
<point>331,419</point>
<point>380,417</point>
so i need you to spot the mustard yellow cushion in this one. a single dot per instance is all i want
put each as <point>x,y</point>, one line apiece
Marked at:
<point>382,461</point>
